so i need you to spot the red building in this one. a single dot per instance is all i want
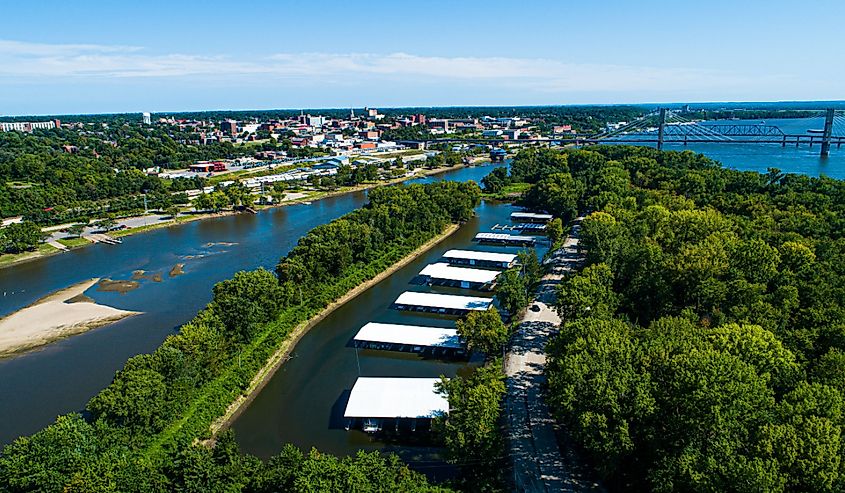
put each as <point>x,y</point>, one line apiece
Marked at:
<point>229,127</point>
<point>208,166</point>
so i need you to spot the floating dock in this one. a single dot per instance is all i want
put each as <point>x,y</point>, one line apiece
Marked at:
<point>480,259</point>
<point>531,217</point>
<point>441,303</point>
<point>505,239</point>
<point>409,338</point>
<point>374,399</point>
<point>443,274</point>
<point>521,227</point>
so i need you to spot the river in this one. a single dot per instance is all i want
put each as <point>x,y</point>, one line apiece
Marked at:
<point>759,157</point>
<point>61,377</point>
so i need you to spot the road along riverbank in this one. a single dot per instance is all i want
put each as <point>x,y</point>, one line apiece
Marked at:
<point>284,351</point>
<point>63,313</point>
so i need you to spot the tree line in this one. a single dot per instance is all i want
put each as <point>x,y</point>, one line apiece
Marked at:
<point>139,433</point>
<point>704,344</point>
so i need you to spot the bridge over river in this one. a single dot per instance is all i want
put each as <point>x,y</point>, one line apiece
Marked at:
<point>664,126</point>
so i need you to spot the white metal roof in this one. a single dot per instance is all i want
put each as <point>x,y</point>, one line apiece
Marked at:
<point>442,270</point>
<point>450,301</point>
<point>503,236</point>
<point>477,255</point>
<point>413,335</point>
<point>530,215</point>
<point>389,397</point>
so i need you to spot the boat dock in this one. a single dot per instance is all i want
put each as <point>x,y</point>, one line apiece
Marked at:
<point>374,399</point>
<point>480,259</point>
<point>447,304</point>
<point>520,227</point>
<point>531,217</point>
<point>443,274</point>
<point>505,239</point>
<point>435,341</point>
<point>103,238</point>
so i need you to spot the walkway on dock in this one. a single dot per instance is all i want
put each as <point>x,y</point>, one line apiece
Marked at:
<point>538,464</point>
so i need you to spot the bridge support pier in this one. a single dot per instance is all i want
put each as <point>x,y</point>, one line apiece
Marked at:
<point>828,131</point>
<point>661,128</point>
<point>784,141</point>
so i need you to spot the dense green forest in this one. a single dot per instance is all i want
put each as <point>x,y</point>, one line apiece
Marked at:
<point>703,347</point>
<point>139,433</point>
<point>42,181</point>
<point>103,174</point>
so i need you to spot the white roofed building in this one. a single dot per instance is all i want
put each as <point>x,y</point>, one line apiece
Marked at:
<point>480,259</point>
<point>441,303</point>
<point>461,277</point>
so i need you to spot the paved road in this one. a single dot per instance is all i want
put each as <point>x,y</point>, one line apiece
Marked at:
<point>538,465</point>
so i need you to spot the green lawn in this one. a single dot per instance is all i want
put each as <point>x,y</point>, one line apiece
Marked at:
<point>42,249</point>
<point>509,191</point>
<point>74,242</point>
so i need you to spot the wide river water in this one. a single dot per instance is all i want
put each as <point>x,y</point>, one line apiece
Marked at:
<point>759,157</point>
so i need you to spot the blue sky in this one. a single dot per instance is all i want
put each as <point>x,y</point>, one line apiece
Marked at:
<point>96,56</point>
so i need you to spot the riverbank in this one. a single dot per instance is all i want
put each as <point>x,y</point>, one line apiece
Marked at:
<point>282,354</point>
<point>61,314</point>
<point>45,250</point>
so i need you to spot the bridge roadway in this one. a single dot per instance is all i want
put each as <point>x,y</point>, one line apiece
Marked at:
<point>786,139</point>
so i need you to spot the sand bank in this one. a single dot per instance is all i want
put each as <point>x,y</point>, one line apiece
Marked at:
<point>61,314</point>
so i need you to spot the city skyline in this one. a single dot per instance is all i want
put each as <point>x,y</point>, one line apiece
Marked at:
<point>94,57</point>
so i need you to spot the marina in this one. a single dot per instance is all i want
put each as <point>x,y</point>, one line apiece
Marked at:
<point>313,388</point>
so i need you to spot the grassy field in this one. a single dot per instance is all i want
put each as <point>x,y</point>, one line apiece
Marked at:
<point>73,242</point>
<point>10,258</point>
<point>509,192</point>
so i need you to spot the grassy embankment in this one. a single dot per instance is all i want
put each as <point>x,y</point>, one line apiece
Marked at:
<point>219,401</point>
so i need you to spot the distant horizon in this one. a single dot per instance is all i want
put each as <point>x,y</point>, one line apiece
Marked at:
<point>751,104</point>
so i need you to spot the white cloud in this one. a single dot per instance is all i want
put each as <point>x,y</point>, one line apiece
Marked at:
<point>37,61</point>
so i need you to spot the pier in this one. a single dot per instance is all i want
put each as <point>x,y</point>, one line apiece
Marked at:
<point>443,274</point>
<point>374,399</point>
<point>505,239</point>
<point>480,259</point>
<point>446,304</point>
<point>531,217</point>
<point>434,341</point>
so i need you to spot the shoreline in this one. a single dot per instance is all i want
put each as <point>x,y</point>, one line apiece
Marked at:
<point>35,255</point>
<point>263,376</point>
<point>60,314</point>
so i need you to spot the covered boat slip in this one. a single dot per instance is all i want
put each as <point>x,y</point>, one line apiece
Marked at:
<point>409,338</point>
<point>441,303</point>
<point>531,217</point>
<point>480,259</point>
<point>505,239</point>
<point>460,277</point>
<point>376,398</point>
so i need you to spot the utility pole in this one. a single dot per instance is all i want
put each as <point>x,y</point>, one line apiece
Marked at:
<point>828,131</point>
<point>660,129</point>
